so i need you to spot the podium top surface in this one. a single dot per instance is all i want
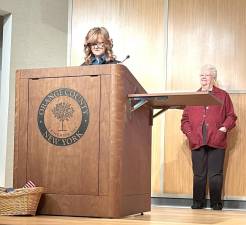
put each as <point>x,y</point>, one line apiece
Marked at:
<point>177,100</point>
<point>72,71</point>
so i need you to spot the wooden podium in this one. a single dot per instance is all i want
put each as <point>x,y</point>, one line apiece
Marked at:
<point>82,133</point>
<point>76,136</point>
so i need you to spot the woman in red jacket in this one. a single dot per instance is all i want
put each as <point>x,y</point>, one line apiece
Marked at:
<point>206,129</point>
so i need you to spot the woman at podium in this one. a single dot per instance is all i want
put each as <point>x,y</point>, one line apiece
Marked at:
<point>206,128</point>
<point>98,47</point>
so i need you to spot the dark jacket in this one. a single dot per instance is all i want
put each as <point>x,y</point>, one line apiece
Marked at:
<point>100,61</point>
<point>213,117</point>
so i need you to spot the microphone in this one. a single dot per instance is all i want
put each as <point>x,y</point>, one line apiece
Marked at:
<point>127,57</point>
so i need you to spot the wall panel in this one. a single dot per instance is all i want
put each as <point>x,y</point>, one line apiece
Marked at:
<point>206,31</point>
<point>138,28</point>
<point>235,167</point>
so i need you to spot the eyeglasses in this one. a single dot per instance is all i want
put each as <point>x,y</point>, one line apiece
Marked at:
<point>205,75</point>
<point>97,45</point>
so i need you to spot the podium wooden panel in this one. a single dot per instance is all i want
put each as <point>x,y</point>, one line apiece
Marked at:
<point>103,171</point>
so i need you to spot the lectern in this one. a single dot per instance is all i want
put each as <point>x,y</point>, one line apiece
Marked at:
<point>84,133</point>
<point>76,136</point>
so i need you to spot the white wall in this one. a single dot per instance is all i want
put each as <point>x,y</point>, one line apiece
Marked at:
<point>1,41</point>
<point>38,39</point>
<point>5,93</point>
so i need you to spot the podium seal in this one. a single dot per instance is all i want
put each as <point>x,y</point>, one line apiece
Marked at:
<point>63,117</point>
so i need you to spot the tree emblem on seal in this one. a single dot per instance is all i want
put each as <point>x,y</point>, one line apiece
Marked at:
<point>63,111</point>
<point>63,117</point>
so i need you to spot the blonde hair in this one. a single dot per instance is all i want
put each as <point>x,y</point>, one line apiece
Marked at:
<point>92,37</point>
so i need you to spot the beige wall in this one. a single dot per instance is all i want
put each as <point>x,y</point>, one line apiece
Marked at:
<point>39,39</point>
<point>200,32</point>
<point>138,28</point>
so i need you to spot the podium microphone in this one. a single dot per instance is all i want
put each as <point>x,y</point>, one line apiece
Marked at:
<point>127,57</point>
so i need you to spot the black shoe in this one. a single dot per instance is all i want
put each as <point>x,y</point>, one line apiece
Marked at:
<point>198,205</point>
<point>217,206</point>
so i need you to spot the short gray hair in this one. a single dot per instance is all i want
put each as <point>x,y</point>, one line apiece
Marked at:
<point>210,68</point>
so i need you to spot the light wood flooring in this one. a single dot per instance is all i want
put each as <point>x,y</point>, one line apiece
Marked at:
<point>157,216</point>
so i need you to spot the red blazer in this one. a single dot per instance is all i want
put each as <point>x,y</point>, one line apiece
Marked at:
<point>214,116</point>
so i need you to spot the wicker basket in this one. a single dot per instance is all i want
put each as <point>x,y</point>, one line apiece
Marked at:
<point>23,201</point>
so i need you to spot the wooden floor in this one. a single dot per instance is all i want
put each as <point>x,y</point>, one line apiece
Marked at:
<point>158,216</point>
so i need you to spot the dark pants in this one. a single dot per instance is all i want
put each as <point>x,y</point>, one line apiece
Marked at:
<point>207,161</point>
